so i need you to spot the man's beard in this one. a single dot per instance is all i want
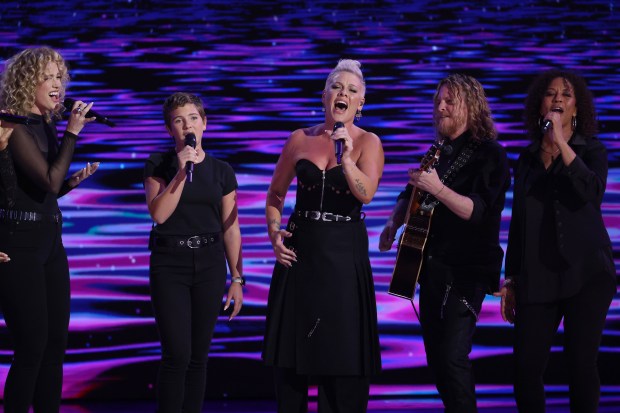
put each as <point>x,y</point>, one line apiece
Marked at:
<point>449,126</point>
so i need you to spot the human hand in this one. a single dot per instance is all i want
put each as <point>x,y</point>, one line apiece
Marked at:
<point>347,142</point>
<point>386,239</point>
<point>6,129</point>
<point>427,181</point>
<point>4,257</point>
<point>508,303</point>
<point>235,293</point>
<point>284,256</point>
<point>77,118</point>
<point>83,174</point>
<point>185,155</point>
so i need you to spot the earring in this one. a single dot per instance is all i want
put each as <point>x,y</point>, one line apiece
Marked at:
<point>540,120</point>
<point>573,122</point>
<point>358,115</point>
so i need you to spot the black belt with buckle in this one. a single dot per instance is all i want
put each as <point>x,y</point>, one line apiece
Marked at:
<point>326,216</point>
<point>14,215</point>
<point>193,242</point>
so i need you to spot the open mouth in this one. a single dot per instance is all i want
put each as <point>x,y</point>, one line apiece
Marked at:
<point>54,95</point>
<point>341,105</point>
<point>558,110</point>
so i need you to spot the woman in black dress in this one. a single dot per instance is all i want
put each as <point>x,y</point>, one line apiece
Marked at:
<point>321,319</point>
<point>559,262</point>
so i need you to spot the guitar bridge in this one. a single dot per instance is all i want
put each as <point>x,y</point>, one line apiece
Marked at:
<point>414,237</point>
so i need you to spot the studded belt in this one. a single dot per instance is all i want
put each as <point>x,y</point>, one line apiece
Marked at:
<point>193,242</point>
<point>327,216</point>
<point>15,215</point>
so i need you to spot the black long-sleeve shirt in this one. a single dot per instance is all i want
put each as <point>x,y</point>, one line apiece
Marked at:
<point>470,249</point>
<point>40,166</point>
<point>8,180</point>
<point>557,235</point>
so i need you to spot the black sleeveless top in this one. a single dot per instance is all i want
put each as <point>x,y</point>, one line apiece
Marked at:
<point>324,191</point>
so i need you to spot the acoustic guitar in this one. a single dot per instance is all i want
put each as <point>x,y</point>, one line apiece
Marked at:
<point>415,233</point>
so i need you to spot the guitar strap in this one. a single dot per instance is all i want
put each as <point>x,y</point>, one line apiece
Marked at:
<point>429,201</point>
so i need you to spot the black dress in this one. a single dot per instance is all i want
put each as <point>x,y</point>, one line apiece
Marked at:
<point>321,313</point>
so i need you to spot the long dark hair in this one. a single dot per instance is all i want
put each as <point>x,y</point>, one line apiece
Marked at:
<point>587,125</point>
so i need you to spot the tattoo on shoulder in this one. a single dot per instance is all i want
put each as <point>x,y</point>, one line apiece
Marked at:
<point>360,187</point>
<point>275,222</point>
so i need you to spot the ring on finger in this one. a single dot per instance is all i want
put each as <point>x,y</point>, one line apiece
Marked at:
<point>79,109</point>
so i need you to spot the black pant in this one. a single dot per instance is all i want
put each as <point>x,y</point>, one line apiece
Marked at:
<point>187,286</point>
<point>35,299</point>
<point>337,394</point>
<point>448,326</point>
<point>536,324</point>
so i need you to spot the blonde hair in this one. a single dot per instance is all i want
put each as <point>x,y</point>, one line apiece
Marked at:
<point>471,93</point>
<point>23,73</point>
<point>347,65</point>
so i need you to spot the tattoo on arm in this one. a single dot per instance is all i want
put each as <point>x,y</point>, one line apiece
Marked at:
<point>276,223</point>
<point>360,187</point>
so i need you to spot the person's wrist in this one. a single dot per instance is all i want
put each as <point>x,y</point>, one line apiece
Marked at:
<point>508,283</point>
<point>238,280</point>
<point>439,192</point>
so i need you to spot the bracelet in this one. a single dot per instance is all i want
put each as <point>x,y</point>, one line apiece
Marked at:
<point>239,280</point>
<point>439,191</point>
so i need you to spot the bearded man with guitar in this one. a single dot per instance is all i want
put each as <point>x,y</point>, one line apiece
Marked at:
<point>463,190</point>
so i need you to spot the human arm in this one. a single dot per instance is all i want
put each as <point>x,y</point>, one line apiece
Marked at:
<point>78,177</point>
<point>363,175</point>
<point>8,180</point>
<point>587,173</point>
<point>25,150</point>
<point>395,221</point>
<point>428,181</point>
<point>162,198</point>
<point>276,195</point>
<point>6,129</point>
<point>232,245</point>
<point>26,154</point>
<point>508,300</point>
<point>489,174</point>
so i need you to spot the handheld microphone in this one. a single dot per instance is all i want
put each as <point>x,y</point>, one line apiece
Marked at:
<point>22,120</point>
<point>90,114</point>
<point>338,143</point>
<point>190,140</point>
<point>547,124</point>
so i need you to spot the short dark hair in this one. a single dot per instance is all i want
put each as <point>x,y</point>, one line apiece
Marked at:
<point>178,99</point>
<point>587,124</point>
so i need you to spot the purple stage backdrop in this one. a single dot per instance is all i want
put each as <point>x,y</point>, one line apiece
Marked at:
<point>260,67</point>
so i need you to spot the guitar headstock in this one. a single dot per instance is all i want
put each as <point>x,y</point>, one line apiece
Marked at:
<point>431,157</point>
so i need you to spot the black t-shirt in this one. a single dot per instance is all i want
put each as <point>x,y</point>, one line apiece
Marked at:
<point>200,208</point>
<point>469,249</point>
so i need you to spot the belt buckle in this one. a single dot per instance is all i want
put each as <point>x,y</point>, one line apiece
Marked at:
<point>193,242</point>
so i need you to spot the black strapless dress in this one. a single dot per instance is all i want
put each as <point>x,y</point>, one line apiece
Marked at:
<point>321,312</point>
